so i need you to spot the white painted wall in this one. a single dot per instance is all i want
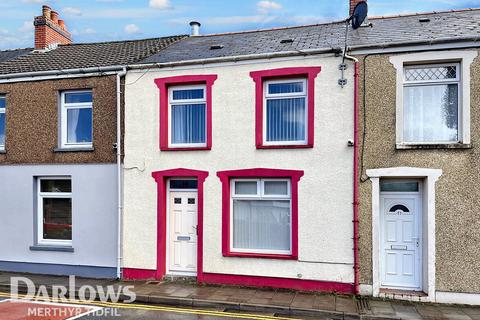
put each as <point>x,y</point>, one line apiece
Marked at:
<point>325,191</point>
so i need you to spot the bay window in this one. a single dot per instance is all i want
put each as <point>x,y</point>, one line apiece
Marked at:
<point>54,206</point>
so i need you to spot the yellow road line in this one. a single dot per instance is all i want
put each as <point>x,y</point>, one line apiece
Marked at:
<point>159,308</point>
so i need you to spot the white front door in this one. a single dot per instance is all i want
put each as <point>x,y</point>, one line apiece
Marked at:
<point>401,256</point>
<point>183,232</point>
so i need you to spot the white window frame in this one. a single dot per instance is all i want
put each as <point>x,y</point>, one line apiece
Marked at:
<point>56,195</point>
<point>4,111</point>
<point>268,96</point>
<point>183,102</point>
<point>418,83</point>
<point>64,107</point>
<point>462,57</point>
<point>259,196</point>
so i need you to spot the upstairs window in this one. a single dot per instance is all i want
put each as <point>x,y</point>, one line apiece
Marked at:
<point>76,119</point>
<point>3,108</point>
<point>284,107</point>
<point>431,100</point>
<point>187,116</point>
<point>285,112</point>
<point>186,112</point>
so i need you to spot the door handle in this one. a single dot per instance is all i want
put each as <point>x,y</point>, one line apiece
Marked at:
<point>417,241</point>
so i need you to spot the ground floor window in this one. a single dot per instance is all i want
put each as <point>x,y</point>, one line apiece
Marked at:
<point>261,216</point>
<point>260,213</point>
<point>54,210</point>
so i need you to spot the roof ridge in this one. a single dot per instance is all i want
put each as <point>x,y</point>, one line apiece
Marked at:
<point>120,41</point>
<point>16,49</point>
<point>270,29</point>
<point>421,13</point>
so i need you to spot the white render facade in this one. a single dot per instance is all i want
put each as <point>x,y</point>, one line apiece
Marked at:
<point>325,191</point>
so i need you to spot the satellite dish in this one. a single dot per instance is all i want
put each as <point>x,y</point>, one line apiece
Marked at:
<point>359,14</point>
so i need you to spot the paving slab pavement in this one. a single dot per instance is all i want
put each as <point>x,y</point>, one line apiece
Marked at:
<point>264,300</point>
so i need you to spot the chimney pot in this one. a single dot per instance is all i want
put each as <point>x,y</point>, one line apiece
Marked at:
<point>61,24</point>
<point>195,28</point>
<point>46,11</point>
<point>49,30</point>
<point>54,16</point>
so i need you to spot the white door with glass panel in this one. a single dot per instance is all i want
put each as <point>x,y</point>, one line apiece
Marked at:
<point>183,232</point>
<point>401,251</point>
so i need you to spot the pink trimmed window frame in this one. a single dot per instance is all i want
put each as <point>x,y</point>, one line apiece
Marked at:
<point>226,177</point>
<point>259,77</point>
<point>163,84</point>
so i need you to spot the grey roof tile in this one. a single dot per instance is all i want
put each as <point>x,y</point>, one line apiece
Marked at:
<point>86,55</point>
<point>12,54</point>
<point>383,31</point>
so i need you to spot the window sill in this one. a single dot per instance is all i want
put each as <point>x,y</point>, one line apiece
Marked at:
<point>76,149</point>
<point>433,146</point>
<point>260,255</point>
<point>51,248</point>
<point>293,146</point>
<point>185,149</point>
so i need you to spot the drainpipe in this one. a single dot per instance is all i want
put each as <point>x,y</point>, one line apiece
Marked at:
<point>355,177</point>
<point>120,74</point>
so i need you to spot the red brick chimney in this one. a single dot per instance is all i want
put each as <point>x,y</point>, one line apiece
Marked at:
<point>50,30</point>
<point>353,3</point>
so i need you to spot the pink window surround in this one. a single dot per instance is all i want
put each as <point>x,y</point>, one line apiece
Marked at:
<point>161,177</point>
<point>225,178</point>
<point>259,77</point>
<point>163,84</point>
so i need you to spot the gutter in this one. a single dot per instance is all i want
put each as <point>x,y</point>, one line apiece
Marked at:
<point>119,173</point>
<point>356,257</point>
<point>57,73</point>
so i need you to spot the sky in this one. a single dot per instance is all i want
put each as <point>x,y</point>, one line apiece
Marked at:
<point>108,20</point>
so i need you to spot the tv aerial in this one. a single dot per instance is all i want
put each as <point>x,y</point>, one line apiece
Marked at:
<point>357,18</point>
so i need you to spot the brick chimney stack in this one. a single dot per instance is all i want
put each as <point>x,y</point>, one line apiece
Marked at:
<point>353,3</point>
<point>50,30</point>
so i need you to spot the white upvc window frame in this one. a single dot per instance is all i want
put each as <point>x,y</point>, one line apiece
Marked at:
<point>172,102</point>
<point>268,96</point>
<point>464,59</point>
<point>259,196</point>
<point>64,107</point>
<point>4,112</point>
<point>57,195</point>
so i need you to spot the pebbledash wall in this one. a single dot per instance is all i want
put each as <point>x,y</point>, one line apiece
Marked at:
<point>31,151</point>
<point>325,227</point>
<point>457,190</point>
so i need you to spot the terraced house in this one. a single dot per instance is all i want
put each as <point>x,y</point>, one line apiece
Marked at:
<point>314,157</point>
<point>60,120</point>
<point>419,157</point>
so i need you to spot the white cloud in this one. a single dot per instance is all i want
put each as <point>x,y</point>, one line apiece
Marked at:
<point>72,11</point>
<point>34,1</point>
<point>89,31</point>
<point>268,5</point>
<point>159,4</point>
<point>27,26</point>
<point>131,28</point>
